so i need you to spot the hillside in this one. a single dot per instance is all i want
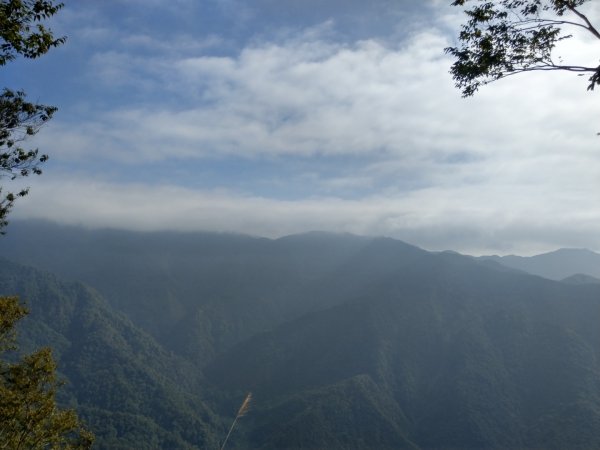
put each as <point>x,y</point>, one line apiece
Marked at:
<point>346,342</point>
<point>445,354</point>
<point>195,293</point>
<point>130,391</point>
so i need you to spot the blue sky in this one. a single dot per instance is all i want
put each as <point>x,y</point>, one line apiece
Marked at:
<point>274,117</point>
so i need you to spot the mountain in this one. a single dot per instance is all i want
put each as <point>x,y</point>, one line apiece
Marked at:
<point>444,353</point>
<point>580,278</point>
<point>556,265</point>
<point>346,342</point>
<point>195,293</point>
<point>129,390</point>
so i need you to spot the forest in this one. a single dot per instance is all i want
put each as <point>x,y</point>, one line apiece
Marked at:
<point>344,341</point>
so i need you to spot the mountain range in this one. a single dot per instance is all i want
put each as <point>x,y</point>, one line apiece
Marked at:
<point>346,342</point>
<point>557,265</point>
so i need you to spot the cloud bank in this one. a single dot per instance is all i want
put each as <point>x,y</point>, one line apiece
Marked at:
<point>384,141</point>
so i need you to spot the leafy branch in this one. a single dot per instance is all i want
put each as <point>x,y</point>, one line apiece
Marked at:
<point>507,37</point>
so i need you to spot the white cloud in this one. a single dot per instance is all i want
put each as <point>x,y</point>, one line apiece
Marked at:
<point>517,168</point>
<point>319,97</point>
<point>488,219</point>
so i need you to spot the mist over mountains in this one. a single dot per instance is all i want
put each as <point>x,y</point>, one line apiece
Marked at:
<point>346,342</point>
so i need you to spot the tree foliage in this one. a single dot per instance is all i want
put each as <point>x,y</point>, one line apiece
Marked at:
<point>21,30</point>
<point>22,33</point>
<point>506,37</point>
<point>29,417</point>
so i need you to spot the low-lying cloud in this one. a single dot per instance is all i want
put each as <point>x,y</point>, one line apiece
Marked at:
<point>516,167</point>
<point>483,220</point>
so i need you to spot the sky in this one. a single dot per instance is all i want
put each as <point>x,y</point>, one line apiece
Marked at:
<point>274,117</point>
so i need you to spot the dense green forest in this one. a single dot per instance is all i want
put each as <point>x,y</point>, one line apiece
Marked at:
<point>346,342</point>
<point>126,387</point>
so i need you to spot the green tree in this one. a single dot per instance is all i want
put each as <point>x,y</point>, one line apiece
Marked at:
<point>22,33</point>
<point>29,416</point>
<point>506,37</point>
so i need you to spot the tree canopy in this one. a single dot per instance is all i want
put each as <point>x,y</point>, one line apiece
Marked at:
<point>29,416</point>
<point>507,37</point>
<point>22,33</point>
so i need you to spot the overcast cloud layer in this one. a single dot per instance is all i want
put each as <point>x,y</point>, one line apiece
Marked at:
<point>270,123</point>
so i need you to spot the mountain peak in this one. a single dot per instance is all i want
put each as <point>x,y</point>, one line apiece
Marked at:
<point>556,265</point>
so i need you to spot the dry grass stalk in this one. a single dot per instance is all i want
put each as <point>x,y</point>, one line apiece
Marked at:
<point>241,412</point>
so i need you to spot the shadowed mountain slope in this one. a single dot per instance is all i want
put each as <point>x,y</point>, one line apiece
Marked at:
<point>196,293</point>
<point>346,342</point>
<point>442,354</point>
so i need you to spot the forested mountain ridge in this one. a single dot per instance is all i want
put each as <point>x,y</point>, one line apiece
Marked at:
<point>345,342</point>
<point>127,388</point>
<point>196,293</point>
<point>459,355</point>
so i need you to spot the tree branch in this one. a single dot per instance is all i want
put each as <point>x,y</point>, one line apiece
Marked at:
<point>583,17</point>
<point>524,25</point>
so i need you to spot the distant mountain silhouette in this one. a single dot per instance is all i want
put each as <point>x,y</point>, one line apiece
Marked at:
<point>556,265</point>
<point>580,278</point>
